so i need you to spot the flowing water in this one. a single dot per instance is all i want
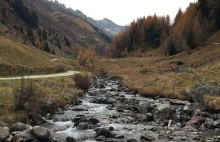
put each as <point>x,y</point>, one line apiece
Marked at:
<point>126,123</point>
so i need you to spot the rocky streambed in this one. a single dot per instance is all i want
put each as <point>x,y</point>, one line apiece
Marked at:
<point>110,112</point>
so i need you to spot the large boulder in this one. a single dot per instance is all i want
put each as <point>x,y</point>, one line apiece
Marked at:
<point>42,133</point>
<point>209,123</point>
<point>110,101</point>
<point>120,108</point>
<point>145,107</point>
<point>19,127</point>
<point>106,132</point>
<point>83,126</point>
<point>71,139</point>
<point>4,133</point>
<point>37,119</point>
<point>162,112</point>
<point>24,136</point>
<point>93,120</point>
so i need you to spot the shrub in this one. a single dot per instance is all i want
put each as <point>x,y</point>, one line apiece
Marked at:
<point>180,69</point>
<point>200,90</point>
<point>82,82</point>
<point>28,96</point>
<point>102,72</point>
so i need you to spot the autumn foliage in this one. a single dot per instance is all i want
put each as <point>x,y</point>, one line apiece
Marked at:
<point>143,34</point>
<point>85,56</point>
<point>189,30</point>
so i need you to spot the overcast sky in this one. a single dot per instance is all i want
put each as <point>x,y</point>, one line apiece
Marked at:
<point>123,12</point>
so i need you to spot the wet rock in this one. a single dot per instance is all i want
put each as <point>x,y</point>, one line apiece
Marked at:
<point>190,128</point>
<point>19,127</point>
<point>145,106</point>
<point>162,112</point>
<point>179,133</point>
<point>93,121</point>
<point>83,126</point>
<point>209,123</point>
<point>100,138</point>
<point>71,139</point>
<point>77,118</point>
<point>147,137</point>
<point>114,140</point>
<point>180,138</point>
<point>216,123</point>
<point>131,140</point>
<point>37,119</point>
<point>42,133</point>
<point>110,101</point>
<point>120,108</point>
<point>4,133</point>
<point>80,108</point>
<point>178,102</point>
<point>24,136</point>
<point>119,137</point>
<point>54,127</point>
<point>103,132</point>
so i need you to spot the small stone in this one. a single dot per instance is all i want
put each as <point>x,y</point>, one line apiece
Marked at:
<point>147,137</point>
<point>100,138</point>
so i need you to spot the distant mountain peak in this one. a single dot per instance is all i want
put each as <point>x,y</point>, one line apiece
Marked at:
<point>107,25</point>
<point>110,26</point>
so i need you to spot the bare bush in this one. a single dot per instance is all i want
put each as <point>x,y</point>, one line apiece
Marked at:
<point>27,96</point>
<point>82,82</point>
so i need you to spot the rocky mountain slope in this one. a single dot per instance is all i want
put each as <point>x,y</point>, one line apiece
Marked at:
<point>108,26</point>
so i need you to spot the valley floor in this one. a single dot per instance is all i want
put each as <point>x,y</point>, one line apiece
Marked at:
<point>174,76</point>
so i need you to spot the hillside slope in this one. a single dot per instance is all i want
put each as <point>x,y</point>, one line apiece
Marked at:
<point>49,26</point>
<point>14,53</point>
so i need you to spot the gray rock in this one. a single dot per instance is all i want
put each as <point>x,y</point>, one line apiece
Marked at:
<point>4,133</point>
<point>120,108</point>
<point>41,133</point>
<point>71,139</point>
<point>80,108</point>
<point>179,133</point>
<point>19,127</point>
<point>110,101</point>
<point>38,120</point>
<point>83,126</point>
<point>119,137</point>
<point>144,106</point>
<point>216,123</point>
<point>131,140</point>
<point>162,112</point>
<point>147,137</point>
<point>25,136</point>
<point>208,123</point>
<point>178,102</point>
<point>100,138</point>
<point>93,121</point>
<point>102,132</point>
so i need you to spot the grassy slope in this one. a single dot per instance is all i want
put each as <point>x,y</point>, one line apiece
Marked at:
<point>58,90</point>
<point>15,53</point>
<point>156,78</point>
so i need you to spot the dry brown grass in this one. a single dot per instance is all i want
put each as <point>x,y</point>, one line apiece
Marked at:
<point>152,75</point>
<point>60,91</point>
